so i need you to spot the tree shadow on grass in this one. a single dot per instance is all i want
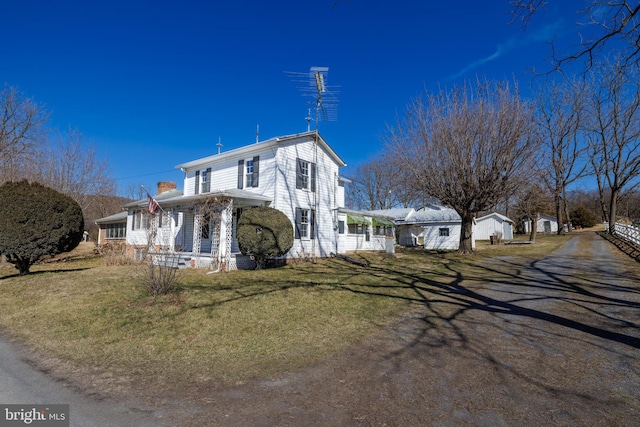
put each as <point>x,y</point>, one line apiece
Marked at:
<point>40,272</point>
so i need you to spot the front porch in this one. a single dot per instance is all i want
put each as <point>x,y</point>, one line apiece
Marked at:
<point>181,260</point>
<point>201,234</point>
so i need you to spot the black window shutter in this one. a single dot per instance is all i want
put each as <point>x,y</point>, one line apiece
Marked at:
<point>313,177</point>
<point>256,170</point>
<point>240,172</point>
<point>312,224</point>
<point>297,224</point>
<point>197,190</point>
<point>298,173</point>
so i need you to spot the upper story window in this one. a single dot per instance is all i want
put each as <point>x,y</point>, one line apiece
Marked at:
<point>305,175</point>
<point>205,185</point>
<point>249,171</point>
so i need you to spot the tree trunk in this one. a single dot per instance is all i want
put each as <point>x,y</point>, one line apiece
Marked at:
<point>566,210</point>
<point>613,211</point>
<point>534,228</point>
<point>558,205</point>
<point>603,205</point>
<point>466,235</point>
<point>19,263</point>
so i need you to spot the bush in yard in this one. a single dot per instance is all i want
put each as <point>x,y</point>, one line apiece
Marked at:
<point>583,217</point>
<point>36,222</point>
<point>264,232</point>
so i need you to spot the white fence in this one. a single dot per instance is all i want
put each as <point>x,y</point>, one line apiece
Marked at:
<point>629,233</point>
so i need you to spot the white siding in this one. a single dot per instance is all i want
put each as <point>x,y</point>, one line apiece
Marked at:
<point>135,237</point>
<point>358,242</point>
<point>224,174</point>
<point>552,225</point>
<point>429,235</point>
<point>489,226</point>
<point>433,240</point>
<point>288,198</point>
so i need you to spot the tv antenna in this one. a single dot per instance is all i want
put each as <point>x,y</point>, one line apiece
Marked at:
<point>321,97</point>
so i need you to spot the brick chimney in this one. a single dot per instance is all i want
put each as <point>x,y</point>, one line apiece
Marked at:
<point>164,186</point>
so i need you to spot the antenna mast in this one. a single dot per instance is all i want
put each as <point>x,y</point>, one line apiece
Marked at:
<point>313,85</point>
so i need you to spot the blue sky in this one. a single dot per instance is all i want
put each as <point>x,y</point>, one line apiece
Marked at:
<point>156,83</point>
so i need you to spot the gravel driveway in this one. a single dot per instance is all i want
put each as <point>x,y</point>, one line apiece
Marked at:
<point>551,342</point>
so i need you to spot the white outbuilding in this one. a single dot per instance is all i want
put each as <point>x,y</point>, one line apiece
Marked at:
<point>433,227</point>
<point>494,224</point>
<point>546,224</point>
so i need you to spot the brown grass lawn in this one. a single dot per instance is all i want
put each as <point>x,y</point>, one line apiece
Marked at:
<point>226,326</point>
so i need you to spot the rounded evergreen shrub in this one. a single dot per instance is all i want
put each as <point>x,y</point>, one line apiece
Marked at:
<point>37,222</point>
<point>583,217</point>
<point>264,232</point>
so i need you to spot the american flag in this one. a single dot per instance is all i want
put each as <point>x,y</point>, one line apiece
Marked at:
<point>153,204</point>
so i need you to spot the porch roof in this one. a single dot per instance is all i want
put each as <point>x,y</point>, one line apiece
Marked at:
<point>241,196</point>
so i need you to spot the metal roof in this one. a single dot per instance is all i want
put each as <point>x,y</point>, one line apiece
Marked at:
<point>165,199</point>
<point>119,217</point>
<point>260,146</point>
<point>433,215</point>
<point>500,216</point>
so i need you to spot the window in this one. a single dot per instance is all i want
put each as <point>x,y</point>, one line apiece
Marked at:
<point>140,220</point>
<point>305,175</point>
<point>444,232</point>
<point>116,231</point>
<point>249,173</point>
<point>249,170</point>
<point>205,181</point>
<point>340,227</point>
<point>305,224</point>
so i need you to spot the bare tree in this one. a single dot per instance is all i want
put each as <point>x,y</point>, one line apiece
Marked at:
<point>614,130</point>
<point>75,168</point>
<point>559,111</point>
<point>469,147</point>
<point>22,133</point>
<point>531,201</point>
<point>72,166</point>
<point>379,184</point>
<point>609,24</point>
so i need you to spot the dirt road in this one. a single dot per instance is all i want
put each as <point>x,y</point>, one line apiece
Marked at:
<point>551,342</point>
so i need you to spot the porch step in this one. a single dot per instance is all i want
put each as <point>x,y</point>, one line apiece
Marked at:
<point>171,260</point>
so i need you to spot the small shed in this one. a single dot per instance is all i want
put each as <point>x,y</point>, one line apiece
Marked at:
<point>494,224</point>
<point>433,227</point>
<point>546,224</point>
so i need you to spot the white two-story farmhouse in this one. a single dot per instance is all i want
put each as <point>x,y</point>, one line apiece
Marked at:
<point>296,174</point>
